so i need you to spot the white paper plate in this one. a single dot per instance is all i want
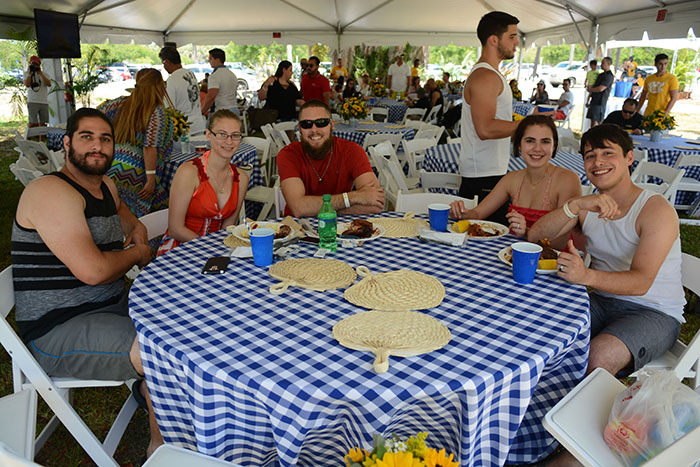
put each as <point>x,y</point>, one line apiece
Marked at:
<point>241,231</point>
<point>488,225</point>
<point>507,252</point>
<point>379,231</point>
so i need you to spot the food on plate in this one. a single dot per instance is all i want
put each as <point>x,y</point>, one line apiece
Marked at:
<point>359,228</point>
<point>476,230</point>
<point>281,230</point>
<point>548,256</point>
<point>461,226</point>
<point>547,264</point>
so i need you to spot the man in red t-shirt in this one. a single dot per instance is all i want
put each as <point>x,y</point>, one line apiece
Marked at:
<point>323,164</point>
<point>314,85</point>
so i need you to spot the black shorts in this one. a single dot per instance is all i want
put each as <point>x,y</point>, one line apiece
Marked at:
<point>481,187</point>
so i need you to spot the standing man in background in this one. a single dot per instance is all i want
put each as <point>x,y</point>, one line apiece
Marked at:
<point>399,75</point>
<point>37,83</point>
<point>314,85</point>
<point>600,91</point>
<point>182,89</point>
<point>487,112</point>
<point>661,88</point>
<point>339,70</point>
<point>222,85</point>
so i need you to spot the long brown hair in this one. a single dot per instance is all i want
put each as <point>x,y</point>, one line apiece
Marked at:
<point>137,109</point>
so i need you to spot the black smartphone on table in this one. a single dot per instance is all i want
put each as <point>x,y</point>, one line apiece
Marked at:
<point>216,265</point>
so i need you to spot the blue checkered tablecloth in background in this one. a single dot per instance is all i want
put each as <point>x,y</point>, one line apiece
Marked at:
<point>257,379</point>
<point>344,131</point>
<point>397,109</point>
<point>522,108</point>
<point>54,139</point>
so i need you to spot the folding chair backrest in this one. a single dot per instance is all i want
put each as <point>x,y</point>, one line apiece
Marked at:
<point>687,160</point>
<point>670,177</point>
<point>280,202</point>
<point>398,175</point>
<point>413,114</point>
<point>640,154</point>
<point>285,126</point>
<point>20,408</point>
<point>156,223</point>
<point>378,114</point>
<point>373,139</point>
<point>24,175</point>
<point>444,180</point>
<point>38,131</point>
<point>430,131</point>
<point>690,358</point>
<point>9,458</point>
<point>37,153</point>
<point>432,115</point>
<point>418,202</point>
<point>58,159</point>
<point>262,148</point>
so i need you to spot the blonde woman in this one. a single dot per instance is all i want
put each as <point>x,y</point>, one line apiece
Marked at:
<point>207,192</point>
<point>143,136</point>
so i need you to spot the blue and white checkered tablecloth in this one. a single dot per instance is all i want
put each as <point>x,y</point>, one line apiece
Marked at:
<point>445,158</point>
<point>54,139</point>
<point>257,379</point>
<point>522,108</point>
<point>665,152</point>
<point>344,131</point>
<point>397,109</point>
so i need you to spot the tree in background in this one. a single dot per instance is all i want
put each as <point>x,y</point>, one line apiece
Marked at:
<point>21,46</point>
<point>86,71</point>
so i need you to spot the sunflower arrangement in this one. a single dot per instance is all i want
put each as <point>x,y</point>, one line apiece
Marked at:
<point>658,121</point>
<point>378,89</point>
<point>455,87</point>
<point>353,107</point>
<point>440,84</point>
<point>393,452</point>
<point>180,124</point>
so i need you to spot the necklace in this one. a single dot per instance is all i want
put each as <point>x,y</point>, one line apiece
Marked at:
<point>216,186</point>
<point>534,185</point>
<point>320,177</point>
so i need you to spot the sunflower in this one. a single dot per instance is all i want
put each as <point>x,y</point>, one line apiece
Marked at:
<point>399,459</point>
<point>355,455</point>
<point>435,458</point>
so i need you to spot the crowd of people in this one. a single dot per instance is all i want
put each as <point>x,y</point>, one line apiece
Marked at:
<point>114,169</point>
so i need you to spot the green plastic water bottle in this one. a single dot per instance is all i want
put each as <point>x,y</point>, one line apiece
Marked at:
<point>327,225</point>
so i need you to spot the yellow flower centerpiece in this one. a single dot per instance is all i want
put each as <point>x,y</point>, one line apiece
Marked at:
<point>353,107</point>
<point>378,90</point>
<point>393,452</point>
<point>180,124</point>
<point>440,84</point>
<point>656,122</point>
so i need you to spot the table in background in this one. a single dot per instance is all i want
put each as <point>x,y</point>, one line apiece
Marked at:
<point>664,152</point>
<point>445,158</point>
<point>358,134</point>
<point>397,109</point>
<point>257,379</point>
<point>54,139</point>
<point>522,108</point>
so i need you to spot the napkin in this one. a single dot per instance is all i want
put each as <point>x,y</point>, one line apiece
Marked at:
<point>448,238</point>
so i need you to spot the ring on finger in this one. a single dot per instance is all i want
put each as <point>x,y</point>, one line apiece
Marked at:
<point>561,268</point>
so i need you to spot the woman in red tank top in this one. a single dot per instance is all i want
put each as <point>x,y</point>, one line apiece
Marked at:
<point>533,191</point>
<point>207,192</point>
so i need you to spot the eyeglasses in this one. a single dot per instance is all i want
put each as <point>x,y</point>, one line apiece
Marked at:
<point>627,111</point>
<point>221,136</point>
<point>319,122</point>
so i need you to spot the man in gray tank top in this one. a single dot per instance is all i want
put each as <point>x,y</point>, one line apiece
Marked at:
<point>72,242</point>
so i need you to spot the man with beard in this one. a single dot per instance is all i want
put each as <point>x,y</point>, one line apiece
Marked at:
<point>313,84</point>
<point>69,254</point>
<point>323,164</point>
<point>487,112</point>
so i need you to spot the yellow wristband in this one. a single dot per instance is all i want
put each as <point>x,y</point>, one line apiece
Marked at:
<point>567,211</point>
<point>150,172</point>
<point>347,200</point>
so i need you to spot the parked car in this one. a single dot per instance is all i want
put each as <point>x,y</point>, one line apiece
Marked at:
<point>119,71</point>
<point>199,69</point>
<point>576,73</point>
<point>647,70</point>
<point>135,67</point>
<point>247,78</point>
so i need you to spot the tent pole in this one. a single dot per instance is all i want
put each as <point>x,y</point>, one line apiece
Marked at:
<point>675,58</point>
<point>520,57</point>
<point>538,59</point>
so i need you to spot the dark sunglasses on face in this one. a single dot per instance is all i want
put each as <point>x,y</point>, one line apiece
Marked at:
<point>627,111</point>
<point>319,122</point>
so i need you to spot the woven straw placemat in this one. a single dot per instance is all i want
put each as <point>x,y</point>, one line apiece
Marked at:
<point>395,290</point>
<point>400,227</point>
<point>311,273</point>
<point>234,242</point>
<point>399,333</point>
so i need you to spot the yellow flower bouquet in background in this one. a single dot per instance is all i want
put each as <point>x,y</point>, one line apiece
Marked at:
<point>393,452</point>
<point>180,124</point>
<point>378,90</point>
<point>440,84</point>
<point>353,107</point>
<point>658,121</point>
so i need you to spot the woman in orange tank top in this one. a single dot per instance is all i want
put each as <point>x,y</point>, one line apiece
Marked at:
<point>533,191</point>
<point>207,192</point>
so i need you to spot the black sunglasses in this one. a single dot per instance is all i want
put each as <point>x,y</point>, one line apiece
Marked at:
<point>628,111</point>
<point>319,122</point>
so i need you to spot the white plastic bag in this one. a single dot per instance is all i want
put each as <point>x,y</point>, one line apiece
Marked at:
<point>650,415</point>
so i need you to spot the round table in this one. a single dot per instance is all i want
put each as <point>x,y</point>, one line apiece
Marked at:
<point>257,379</point>
<point>397,109</point>
<point>359,133</point>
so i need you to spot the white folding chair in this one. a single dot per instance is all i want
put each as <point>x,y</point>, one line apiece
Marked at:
<point>156,223</point>
<point>372,139</point>
<point>280,202</point>
<point>37,153</point>
<point>378,114</point>
<point>687,183</point>
<point>9,458</point>
<point>39,131</point>
<point>262,148</point>
<point>416,124</point>
<point>567,140</point>
<point>58,159</point>
<point>414,151</point>
<point>285,126</point>
<point>640,154</point>
<point>274,149</point>
<point>168,455</point>
<point>430,131</point>
<point>262,194</point>
<point>386,150</point>
<point>578,421</point>
<point>457,128</point>
<point>23,174</point>
<point>27,374</point>
<point>433,114</point>
<point>337,118</point>
<point>418,202</point>
<point>684,360</point>
<point>413,114</point>
<point>443,180</point>
<point>670,178</point>
<point>567,121</point>
<point>18,436</point>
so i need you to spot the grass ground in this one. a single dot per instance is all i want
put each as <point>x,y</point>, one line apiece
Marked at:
<point>99,406</point>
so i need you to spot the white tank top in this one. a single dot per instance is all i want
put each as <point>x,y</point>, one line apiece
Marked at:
<point>486,158</point>
<point>612,246</point>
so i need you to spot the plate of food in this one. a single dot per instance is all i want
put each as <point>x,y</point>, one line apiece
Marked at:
<point>282,232</point>
<point>548,258</point>
<point>480,230</point>
<point>360,230</point>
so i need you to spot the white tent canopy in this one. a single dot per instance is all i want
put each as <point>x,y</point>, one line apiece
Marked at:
<point>342,24</point>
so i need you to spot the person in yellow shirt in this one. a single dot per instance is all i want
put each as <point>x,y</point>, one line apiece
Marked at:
<point>631,67</point>
<point>339,70</point>
<point>414,69</point>
<point>661,88</point>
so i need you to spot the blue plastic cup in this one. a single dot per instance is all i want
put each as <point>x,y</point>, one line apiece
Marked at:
<point>438,213</point>
<point>261,241</point>
<point>525,258</point>
<point>371,101</point>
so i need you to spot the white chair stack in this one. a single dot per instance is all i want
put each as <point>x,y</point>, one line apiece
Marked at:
<point>24,171</point>
<point>37,153</point>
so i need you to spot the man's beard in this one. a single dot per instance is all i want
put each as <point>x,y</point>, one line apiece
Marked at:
<point>506,54</point>
<point>317,153</point>
<point>80,162</point>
